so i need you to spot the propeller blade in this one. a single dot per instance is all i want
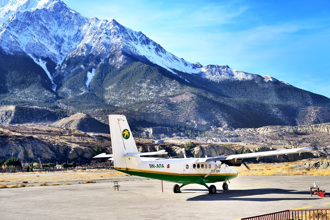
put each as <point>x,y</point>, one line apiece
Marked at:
<point>247,167</point>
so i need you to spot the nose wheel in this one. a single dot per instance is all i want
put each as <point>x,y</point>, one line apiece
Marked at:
<point>225,186</point>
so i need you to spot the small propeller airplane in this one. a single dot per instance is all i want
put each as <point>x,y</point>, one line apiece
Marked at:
<point>185,171</point>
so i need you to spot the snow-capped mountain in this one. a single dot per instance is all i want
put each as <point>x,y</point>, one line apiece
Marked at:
<point>41,29</point>
<point>9,7</point>
<point>49,29</point>
<point>51,55</point>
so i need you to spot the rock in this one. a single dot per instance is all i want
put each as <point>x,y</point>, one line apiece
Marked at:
<point>325,165</point>
<point>82,122</point>
<point>49,144</point>
<point>10,114</point>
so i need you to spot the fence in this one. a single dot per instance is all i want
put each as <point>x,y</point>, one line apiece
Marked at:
<point>302,214</point>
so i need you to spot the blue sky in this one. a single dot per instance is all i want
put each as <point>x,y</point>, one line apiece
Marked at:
<point>285,39</point>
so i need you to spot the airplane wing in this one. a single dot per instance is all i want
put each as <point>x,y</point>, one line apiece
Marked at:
<point>236,159</point>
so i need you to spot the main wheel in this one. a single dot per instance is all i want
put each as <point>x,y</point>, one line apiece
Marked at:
<point>212,189</point>
<point>225,186</point>
<point>176,188</point>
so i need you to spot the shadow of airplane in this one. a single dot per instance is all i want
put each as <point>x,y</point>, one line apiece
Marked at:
<point>252,195</point>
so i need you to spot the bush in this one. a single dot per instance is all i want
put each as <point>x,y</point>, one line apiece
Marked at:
<point>189,145</point>
<point>67,165</point>
<point>13,162</point>
<point>36,165</point>
<point>97,150</point>
<point>48,165</point>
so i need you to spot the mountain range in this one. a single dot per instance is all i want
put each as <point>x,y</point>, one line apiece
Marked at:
<point>52,56</point>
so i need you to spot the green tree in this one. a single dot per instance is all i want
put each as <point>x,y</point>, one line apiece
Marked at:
<point>15,162</point>
<point>189,145</point>
<point>97,150</point>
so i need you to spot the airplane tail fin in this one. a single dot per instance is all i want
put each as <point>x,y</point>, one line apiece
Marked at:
<point>122,142</point>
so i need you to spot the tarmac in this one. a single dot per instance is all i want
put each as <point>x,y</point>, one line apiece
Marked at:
<point>140,198</point>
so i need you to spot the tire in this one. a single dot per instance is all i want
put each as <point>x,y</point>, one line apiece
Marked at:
<point>212,189</point>
<point>225,186</point>
<point>176,188</point>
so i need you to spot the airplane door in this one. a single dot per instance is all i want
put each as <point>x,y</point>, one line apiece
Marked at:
<point>186,168</point>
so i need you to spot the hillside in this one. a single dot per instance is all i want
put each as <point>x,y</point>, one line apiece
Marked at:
<point>83,123</point>
<point>53,57</point>
<point>57,145</point>
<point>23,114</point>
<point>29,143</point>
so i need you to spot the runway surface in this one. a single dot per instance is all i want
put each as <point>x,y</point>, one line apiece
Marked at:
<point>140,198</point>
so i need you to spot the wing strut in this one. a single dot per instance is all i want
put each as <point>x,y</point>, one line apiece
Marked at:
<point>216,167</point>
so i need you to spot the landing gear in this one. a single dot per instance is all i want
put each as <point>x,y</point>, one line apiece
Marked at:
<point>225,186</point>
<point>212,189</point>
<point>176,188</point>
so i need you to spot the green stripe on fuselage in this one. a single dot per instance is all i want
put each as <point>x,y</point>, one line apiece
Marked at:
<point>179,177</point>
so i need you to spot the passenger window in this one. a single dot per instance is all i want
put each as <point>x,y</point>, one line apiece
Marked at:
<point>198,166</point>
<point>194,166</point>
<point>202,166</point>
<point>187,166</point>
<point>210,166</point>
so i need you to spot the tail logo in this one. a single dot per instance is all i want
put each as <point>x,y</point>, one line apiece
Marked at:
<point>126,134</point>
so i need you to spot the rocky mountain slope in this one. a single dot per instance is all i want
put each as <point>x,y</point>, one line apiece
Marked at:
<point>30,143</point>
<point>316,137</point>
<point>11,114</point>
<point>52,56</point>
<point>82,122</point>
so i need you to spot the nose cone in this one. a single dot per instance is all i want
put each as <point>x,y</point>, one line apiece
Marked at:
<point>231,170</point>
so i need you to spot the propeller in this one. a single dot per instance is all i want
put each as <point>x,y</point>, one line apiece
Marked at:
<point>247,167</point>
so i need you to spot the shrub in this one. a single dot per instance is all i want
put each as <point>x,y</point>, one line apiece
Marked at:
<point>97,150</point>
<point>43,184</point>
<point>13,162</point>
<point>48,165</point>
<point>189,145</point>
<point>36,165</point>
<point>67,165</point>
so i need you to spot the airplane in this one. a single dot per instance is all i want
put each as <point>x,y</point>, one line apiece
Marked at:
<point>184,171</point>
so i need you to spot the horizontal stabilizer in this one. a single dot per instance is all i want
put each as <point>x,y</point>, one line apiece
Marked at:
<point>146,153</point>
<point>103,155</point>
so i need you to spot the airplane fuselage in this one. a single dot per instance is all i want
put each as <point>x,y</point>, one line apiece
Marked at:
<point>184,171</point>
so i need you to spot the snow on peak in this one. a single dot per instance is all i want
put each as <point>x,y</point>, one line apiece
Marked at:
<point>219,73</point>
<point>60,33</point>
<point>9,8</point>
<point>50,33</point>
